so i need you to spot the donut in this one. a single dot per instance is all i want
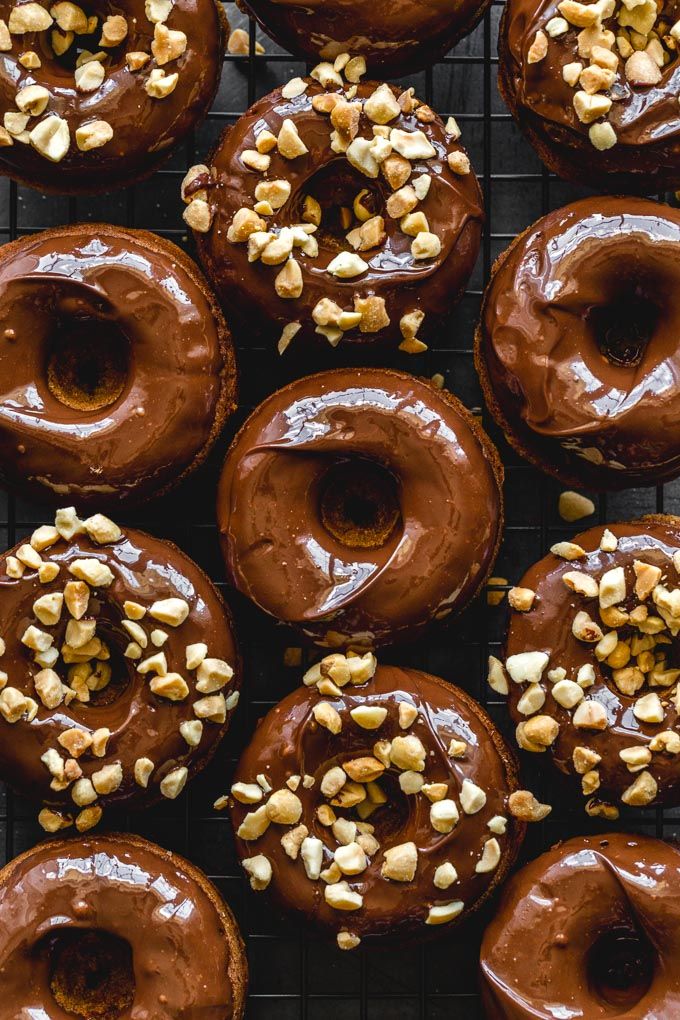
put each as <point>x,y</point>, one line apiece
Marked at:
<point>359,505</point>
<point>577,346</point>
<point>596,916</point>
<point>395,38</point>
<point>98,101</point>
<point>590,662</point>
<point>119,669</point>
<point>337,210</point>
<point>593,87</point>
<point>375,802</point>
<point>112,926</point>
<point>130,416</point>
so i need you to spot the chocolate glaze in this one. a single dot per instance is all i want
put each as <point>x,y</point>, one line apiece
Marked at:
<point>395,36</point>
<point>547,627</point>
<point>188,956</point>
<point>142,724</point>
<point>280,555</point>
<point>646,119</point>
<point>289,741</point>
<point>180,379</point>
<point>145,130</point>
<point>538,954</point>
<point>563,398</point>
<point>453,208</point>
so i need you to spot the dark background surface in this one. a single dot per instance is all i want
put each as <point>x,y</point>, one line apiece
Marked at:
<point>293,973</point>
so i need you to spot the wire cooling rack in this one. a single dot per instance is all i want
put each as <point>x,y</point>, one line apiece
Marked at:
<point>294,974</point>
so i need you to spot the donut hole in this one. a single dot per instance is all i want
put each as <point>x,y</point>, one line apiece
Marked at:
<point>88,362</point>
<point>91,974</point>
<point>109,679</point>
<point>359,503</point>
<point>389,819</point>
<point>624,326</point>
<point>620,967</point>
<point>63,65</point>
<point>335,187</point>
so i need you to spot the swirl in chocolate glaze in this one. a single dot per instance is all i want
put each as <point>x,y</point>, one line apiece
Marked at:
<point>593,662</point>
<point>145,926</point>
<point>376,803</point>
<point>577,349</point>
<point>149,71</point>
<point>628,139</point>
<point>395,36</point>
<point>129,416</point>
<point>118,663</point>
<point>302,166</point>
<point>376,426</point>
<point>589,929</point>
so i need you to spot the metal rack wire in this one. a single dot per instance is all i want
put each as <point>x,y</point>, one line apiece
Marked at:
<point>294,975</point>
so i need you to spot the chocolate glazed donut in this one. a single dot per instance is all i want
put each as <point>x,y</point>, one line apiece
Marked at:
<point>594,89</point>
<point>337,212</point>
<point>577,348</point>
<point>589,929</point>
<point>114,926</point>
<point>376,803</point>
<point>592,663</point>
<point>119,669</point>
<point>396,37</point>
<point>117,370</point>
<point>359,505</point>
<point>105,96</point>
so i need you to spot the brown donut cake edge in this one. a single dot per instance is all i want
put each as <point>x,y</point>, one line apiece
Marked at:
<point>297,593</point>
<point>78,740</point>
<point>567,411</point>
<point>331,812</point>
<point>591,684</point>
<point>193,956</point>
<point>207,340</point>
<point>37,171</point>
<point>596,919</point>
<point>272,227</point>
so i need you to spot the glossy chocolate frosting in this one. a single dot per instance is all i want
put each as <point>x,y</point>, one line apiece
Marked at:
<point>548,627</point>
<point>578,349</point>
<point>142,724</point>
<point>452,207</point>
<point>592,909</point>
<point>290,742</point>
<point>178,382</point>
<point>646,119</point>
<point>145,129</point>
<point>395,36</point>
<point>278,551</point>
<point>187,954</point>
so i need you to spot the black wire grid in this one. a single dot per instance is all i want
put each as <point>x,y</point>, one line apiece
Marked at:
<point>294,974</point>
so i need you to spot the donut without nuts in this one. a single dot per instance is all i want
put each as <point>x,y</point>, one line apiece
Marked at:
<point>119,669</point>
<point>397,37</point>
<point>337,212</point>
<point>375,802</point>
<point>114,926</point>
<point>577,348</point>
<point>592,663</point>
<point>94,100</point>
<point>588,930</point>
<point>359,505</point>
<point>594,88</point>
<point>117,370</point>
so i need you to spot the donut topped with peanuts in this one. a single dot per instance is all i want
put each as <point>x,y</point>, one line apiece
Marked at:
<point>119,669</point>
